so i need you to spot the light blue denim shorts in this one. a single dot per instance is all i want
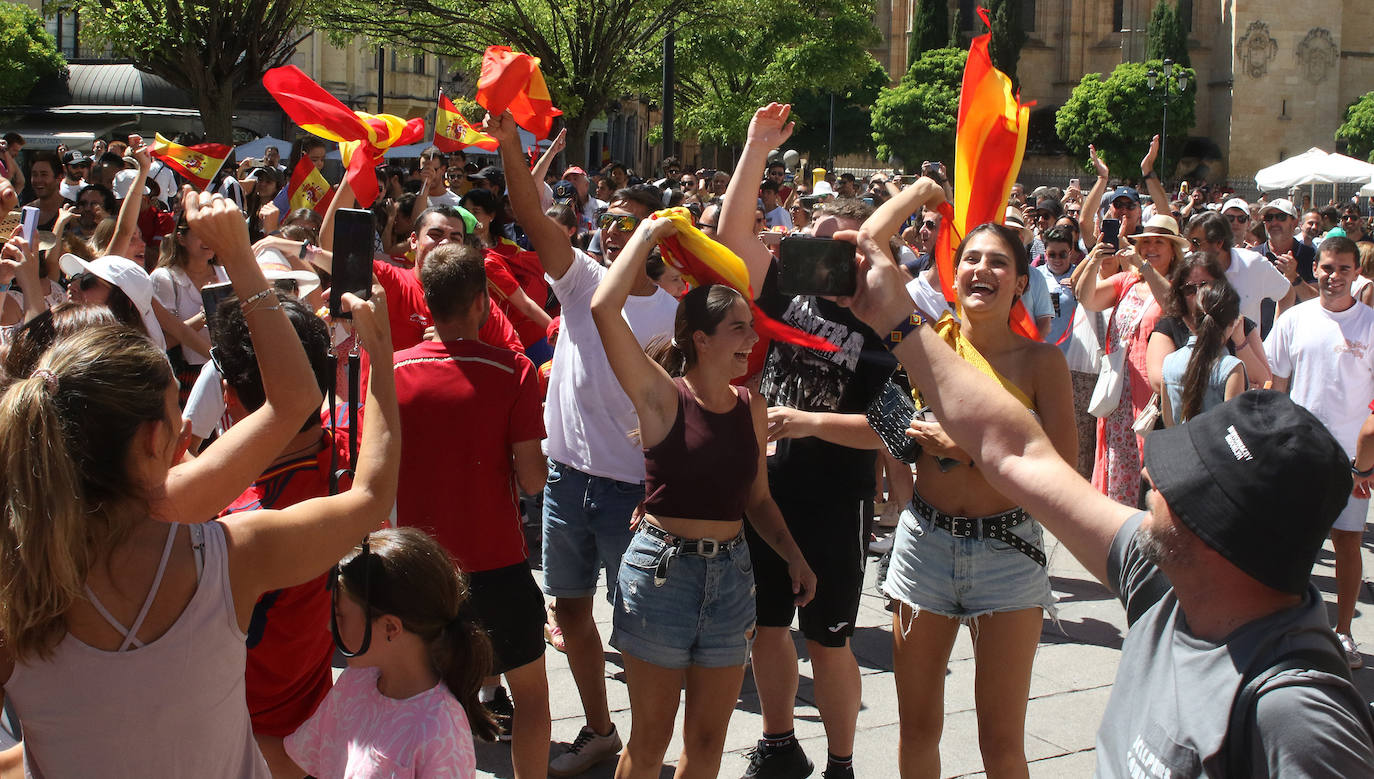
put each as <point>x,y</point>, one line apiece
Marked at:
<point>964,578</point>
<point>586,528</point>
<point>694,611</point>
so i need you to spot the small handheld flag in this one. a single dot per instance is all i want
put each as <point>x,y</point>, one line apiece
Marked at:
<point>453,133</point>
<point>308,189</point>
<point>198,163</point>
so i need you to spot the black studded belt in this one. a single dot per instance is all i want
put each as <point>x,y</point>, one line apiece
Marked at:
<point>997,527</point>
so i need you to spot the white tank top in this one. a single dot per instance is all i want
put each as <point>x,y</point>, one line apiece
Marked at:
<point>173,707</point>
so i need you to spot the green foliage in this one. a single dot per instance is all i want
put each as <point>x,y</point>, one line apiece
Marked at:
<point>916,119</point>
<point>929,29</point>
<point>27,52</point>
<point>1119,114</point>
<point>1358,129</point>
<point>853,130</point>
<point>1166,37</point>
<point>1008,36</point>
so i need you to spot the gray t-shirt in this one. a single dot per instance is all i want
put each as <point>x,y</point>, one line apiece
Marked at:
<point>1171,702</point>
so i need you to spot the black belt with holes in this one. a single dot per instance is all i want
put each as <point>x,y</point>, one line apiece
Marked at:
<point>699,547</point>
<point>997,527</point>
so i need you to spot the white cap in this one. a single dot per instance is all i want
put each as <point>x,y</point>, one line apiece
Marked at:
<point>1235,202</point>
<point>124,181</point>
<point>822,189</point>
<point>131,279</point>
<point>275,266</point>
<point>1282,205</point>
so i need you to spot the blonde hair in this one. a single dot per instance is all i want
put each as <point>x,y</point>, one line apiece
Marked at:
<point>1366,258</point>
<point>64,491</point>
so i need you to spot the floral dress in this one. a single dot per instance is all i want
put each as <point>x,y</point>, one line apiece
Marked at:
<point>1116,467</point>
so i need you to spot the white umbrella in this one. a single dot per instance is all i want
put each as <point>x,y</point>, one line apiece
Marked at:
<point>258,148</point>
<point>1303,169</point>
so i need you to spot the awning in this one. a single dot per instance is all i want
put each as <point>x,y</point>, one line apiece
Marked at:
<point>45,133</point>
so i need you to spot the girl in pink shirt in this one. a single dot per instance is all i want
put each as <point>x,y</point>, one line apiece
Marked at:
<point>407,704</point>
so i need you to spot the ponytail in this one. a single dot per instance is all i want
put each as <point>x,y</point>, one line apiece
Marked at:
<point>701,309</point>
<point>668,354</point>
<point>1218,306</point>
<point>462,655</point>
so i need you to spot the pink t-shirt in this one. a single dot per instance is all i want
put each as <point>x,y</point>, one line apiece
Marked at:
<point>358,733</point>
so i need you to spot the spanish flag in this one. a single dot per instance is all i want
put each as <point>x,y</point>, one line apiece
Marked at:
<point>198,163</point>
<point>453,133</point>
<point>513,80</point>
<point>989,143</point>
<point>308,189</point>
<point>363,138</point>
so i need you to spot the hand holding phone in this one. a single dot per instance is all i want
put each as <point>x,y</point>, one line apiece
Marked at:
<point>29,224</point>
<point>1111,232</point>
<point>352,268</point>
<point>817,266</point>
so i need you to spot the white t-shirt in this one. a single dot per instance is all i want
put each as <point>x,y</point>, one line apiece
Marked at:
<point>589,418</point>
<point>1328,357</point>
<point>447,198</point>
<point>1255,279</point>
<point>179,295</point>
<point>778,217</point>
<point>70,190</point>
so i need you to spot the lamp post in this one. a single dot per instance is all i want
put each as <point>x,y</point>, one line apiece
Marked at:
<point>1173,88</point>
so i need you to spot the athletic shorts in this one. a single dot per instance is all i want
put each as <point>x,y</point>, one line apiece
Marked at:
<point>831,533</point>
<point>511,609</point>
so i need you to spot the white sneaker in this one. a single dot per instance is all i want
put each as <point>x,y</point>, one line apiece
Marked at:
<point>586,750</point>
<point>881,546</point>
<point>1352,650</point>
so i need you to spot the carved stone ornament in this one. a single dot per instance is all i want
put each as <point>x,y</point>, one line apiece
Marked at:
<point>1256,49</point>
<point>1316,55</point>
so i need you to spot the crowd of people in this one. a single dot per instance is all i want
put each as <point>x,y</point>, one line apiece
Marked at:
<point>1172,382</point>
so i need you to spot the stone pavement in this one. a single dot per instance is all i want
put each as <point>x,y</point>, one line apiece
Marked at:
<point>1074,669</point>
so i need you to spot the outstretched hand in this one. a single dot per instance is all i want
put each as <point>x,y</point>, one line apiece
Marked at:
<point>770,126</point>
<point>880,299</point>
<point>218,222</point>
<point>502,127</point>
<point>1148,163</point>
<point>1102,170</point>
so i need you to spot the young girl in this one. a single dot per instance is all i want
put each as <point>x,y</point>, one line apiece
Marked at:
<point>407,705</point>
<point>1203,373</point>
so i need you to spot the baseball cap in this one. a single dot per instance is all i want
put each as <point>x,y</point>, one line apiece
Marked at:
<point>1050,206</point>
<point>1123,191</point>
<point>1230,475</point>
<point>490,173</point>
<point>75,157</point>
<point>564,192</point>
<point>1235,202</point>
<point>1282,205</point>
<point>131,279</point>
<point>574,170</point>
<point>124,181</point>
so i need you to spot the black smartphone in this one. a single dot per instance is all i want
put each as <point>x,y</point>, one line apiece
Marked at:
<point>352,271</point>
<point>211,297</point>
<point>817,266</point>
<point>1111,232</point>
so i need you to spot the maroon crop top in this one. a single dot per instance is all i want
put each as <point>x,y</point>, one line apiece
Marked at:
<point>705,467</point>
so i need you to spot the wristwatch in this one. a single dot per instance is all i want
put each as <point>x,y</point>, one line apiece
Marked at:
<point>1360,473</point>
<point>902,329</point>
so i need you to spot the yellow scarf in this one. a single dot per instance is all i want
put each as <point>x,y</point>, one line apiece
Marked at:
<point>948,330</point>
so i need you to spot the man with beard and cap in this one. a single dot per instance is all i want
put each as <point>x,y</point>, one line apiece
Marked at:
<point>1294,259</point>
<point>596,467</point>
<point>1228,668</point>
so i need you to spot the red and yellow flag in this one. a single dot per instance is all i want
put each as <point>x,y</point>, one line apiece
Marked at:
<point>198,163</point>
<point>453,133</point>
<point>363,138</point>
<point>513,80</point>
<point>309,189</point>
<point>988,146</point>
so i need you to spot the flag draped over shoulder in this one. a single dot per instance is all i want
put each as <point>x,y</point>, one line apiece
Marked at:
<point>513,80</point>
<point>309,189</point>
<point>989,143</point>
<point>453,133</point>
<point>363,138</point>
<point>198,163</point>
<point>703,261</point>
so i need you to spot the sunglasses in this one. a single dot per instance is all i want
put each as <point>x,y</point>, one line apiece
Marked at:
<point>87,281</point>
<point>332,583</point>
<point>1238,219</point>
<point>929,224</point>
<point>625,223</point>
<point>1273,217</point>
<point>1190,290</point>
<point>1126,205</point>
<point>1351,217</point>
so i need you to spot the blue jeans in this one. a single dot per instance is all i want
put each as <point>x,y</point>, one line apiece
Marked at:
<point>586,527</point>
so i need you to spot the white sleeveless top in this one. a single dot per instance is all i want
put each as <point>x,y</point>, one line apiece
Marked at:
<point>173,707</point>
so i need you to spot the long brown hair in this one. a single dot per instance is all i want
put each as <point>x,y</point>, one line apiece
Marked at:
<point>64,490</point>
<point>701,309</point>
<point>1218,306</point>
<point>407,574</point>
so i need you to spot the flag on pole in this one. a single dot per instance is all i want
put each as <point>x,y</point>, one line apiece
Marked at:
<point>453,133</point>
<point>363,138</point>
<point>198,163</point>
<point>308,189</point>
<point>513,80</point>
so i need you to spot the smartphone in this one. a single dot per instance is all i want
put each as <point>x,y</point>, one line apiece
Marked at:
<point>211,297</point>
<point>1111,232</point>
<point>352,270</point>
<point>30,224</point>
<point>817,266</point>
<point>1073,183</point>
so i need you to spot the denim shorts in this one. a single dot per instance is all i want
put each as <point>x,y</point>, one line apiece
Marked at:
<point>586,527</point>
<point>701,613</point>
<point>964,578</point>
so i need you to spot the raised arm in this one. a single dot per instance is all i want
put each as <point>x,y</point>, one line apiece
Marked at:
<point>1151,181</point>
<point>197,490</point>
<point>769,129</point>
<point>648,385</point>
<point>21,258</point>
<point>1014,453</point>
<point>343,198</point>
<point>1090,288</point>
<point>127,222</point>
<point>541,168</point>
<point>1087,217</point>
<point>888,218</point>
<point>547,237</point>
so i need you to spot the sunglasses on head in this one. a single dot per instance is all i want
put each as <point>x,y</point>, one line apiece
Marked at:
<point>1190,290</point>
<point>334,587</point>
<point>625,223</point>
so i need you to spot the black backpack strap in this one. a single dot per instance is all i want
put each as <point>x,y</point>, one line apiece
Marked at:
<point>354,371</point>
<point>1238,745</point>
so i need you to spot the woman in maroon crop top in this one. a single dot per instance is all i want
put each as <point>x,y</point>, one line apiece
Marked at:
<point>684,613</point>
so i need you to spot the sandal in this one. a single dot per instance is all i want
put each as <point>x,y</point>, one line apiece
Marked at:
<point>554,635</point>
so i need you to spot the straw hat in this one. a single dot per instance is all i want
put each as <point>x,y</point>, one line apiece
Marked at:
<point>1162,226</point>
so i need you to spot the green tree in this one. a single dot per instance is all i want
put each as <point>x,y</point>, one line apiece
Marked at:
<point>216,52</point>
<point>1166,38</point>
<point>853,127</point>
<point>591,51</point>
<point>929,29</point>
<point>27,52</point>
<point>916,119</point>
<point>1358,129</point>
<point>1008,36</point>
<point>1119,114</point>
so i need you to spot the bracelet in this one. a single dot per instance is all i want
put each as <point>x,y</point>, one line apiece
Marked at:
<point>274,307</point>
<point>903,329</point>
<point>255,297</point>
<point>1360,473</point>
<point>1148,176</point>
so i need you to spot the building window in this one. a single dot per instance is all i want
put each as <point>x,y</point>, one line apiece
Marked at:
<point>1119,15</point>
<point>419,66</point>
<point>64,28</point>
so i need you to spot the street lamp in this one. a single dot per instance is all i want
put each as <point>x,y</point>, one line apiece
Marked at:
<point>1173,89</point>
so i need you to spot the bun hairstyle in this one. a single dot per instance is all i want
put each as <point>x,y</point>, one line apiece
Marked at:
<point>1218,307</point>
<point>701,309</point>
<point>407,574</point>
<point>64,432</point>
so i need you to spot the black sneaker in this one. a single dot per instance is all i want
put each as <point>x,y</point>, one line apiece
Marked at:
<point>838,772</point>
<point>502,711</point>
<point>784,761</point>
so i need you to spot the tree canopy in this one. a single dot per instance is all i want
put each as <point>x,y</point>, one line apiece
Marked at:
<point>853,125</point>
<point>916,119</point>
<point>929,29</point>
<point>27,52</point>
<point>1008,36</point>
<point>1166,37</point>
<point>214,51</point>
<point>1119,114</point>
<point>1358,129</point>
